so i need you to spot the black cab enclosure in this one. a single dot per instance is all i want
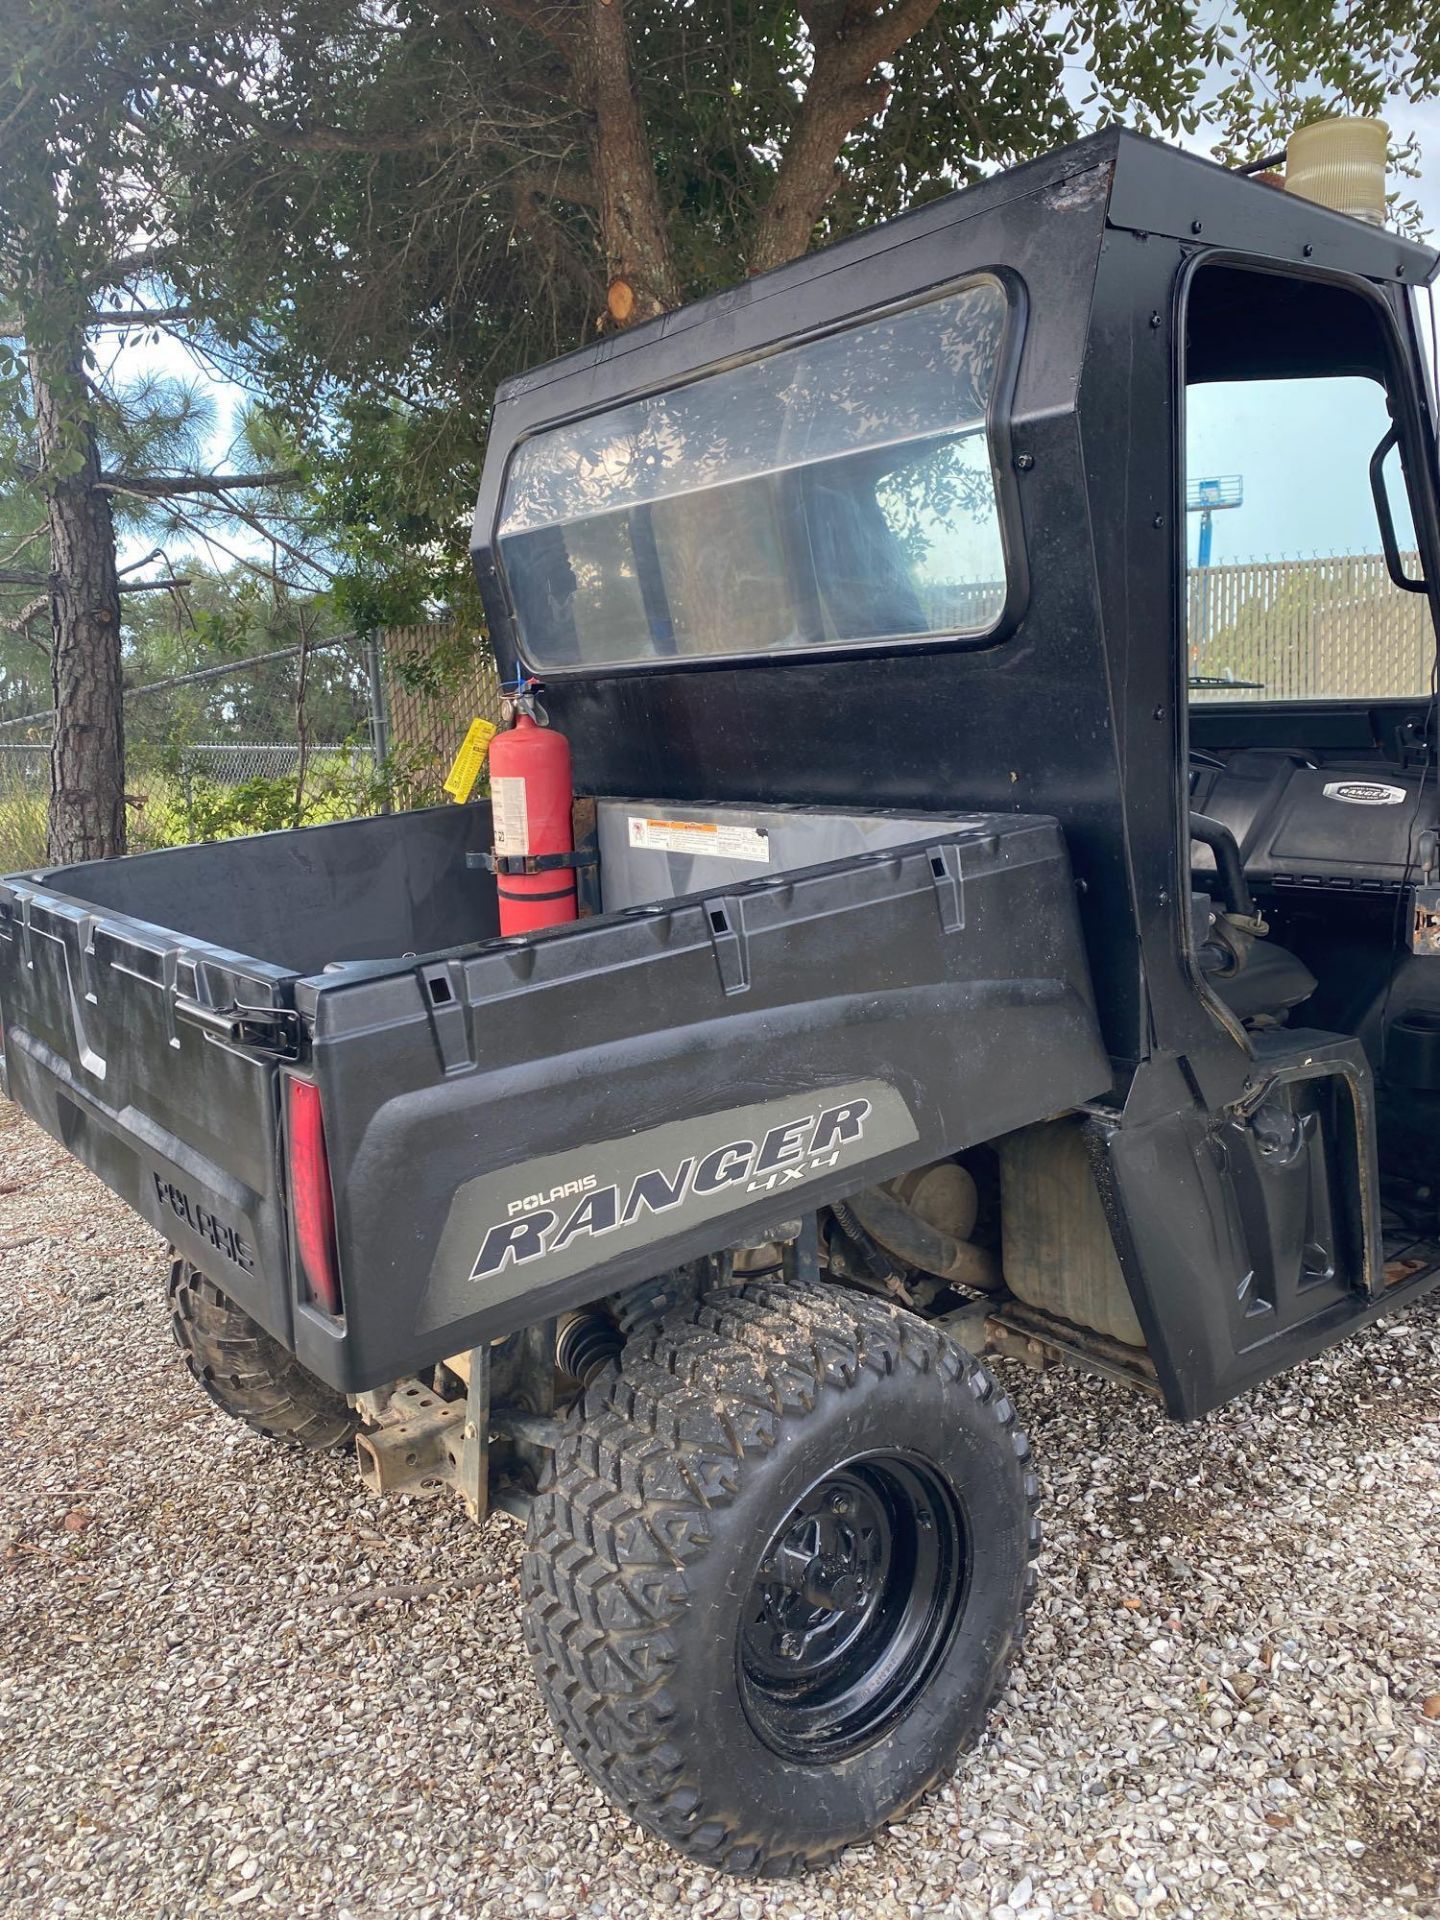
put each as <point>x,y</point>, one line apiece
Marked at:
<point>874,568</point>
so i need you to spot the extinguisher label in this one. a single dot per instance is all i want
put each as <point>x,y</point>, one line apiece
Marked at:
<point>512,814</point>
<point>460,781</point>
<point>716,839</point>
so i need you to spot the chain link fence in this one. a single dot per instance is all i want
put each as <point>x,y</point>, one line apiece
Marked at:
<point>207,790</point>
<point>24,800</point>
<point>436,679</point>
<point>220,750</point>
<point>233,747</point>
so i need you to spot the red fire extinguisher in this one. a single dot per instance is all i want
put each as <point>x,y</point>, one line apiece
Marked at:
<point>531,798</point>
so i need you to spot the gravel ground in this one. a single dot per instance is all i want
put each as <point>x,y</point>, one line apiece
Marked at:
<point>229,1680</point>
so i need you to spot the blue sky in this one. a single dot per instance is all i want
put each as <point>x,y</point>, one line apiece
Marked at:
<point>1302,449</point>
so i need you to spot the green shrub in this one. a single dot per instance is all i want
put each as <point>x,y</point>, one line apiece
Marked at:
<point>165,808</point>
<point>176,813</point>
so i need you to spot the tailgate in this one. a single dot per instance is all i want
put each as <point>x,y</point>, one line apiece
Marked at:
<point>529,1125</point>
<point>115,1041</point>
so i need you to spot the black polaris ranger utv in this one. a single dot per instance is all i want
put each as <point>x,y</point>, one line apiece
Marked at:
<point>970,957</point>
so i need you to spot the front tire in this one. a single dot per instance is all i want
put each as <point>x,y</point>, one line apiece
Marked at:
<point>776,1574</point>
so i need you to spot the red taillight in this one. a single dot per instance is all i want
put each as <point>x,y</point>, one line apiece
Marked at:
<point>311,1201</point>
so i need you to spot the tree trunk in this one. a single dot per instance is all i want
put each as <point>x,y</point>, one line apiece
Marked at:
<point>639,261</point>
<point>87,757</point>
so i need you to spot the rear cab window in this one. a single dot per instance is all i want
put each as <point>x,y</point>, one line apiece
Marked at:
<point>834,493</point>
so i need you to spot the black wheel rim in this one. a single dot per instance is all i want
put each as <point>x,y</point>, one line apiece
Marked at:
<point>853,1605</point>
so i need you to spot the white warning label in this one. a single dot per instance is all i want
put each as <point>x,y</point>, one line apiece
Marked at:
<point>715,839</point>
<point>511,815</point>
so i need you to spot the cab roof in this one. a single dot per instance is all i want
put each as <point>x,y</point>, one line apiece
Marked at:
<point>1151,187</point>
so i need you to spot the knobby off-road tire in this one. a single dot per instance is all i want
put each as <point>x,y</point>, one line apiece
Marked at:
<point>699,1555</point>
<point>247,1372</point>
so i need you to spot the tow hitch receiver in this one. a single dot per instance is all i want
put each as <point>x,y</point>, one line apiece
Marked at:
<point>413,1443</point>
<point>415,1440</point>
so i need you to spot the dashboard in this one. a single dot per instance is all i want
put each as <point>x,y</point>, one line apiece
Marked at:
<point>1318,823</point>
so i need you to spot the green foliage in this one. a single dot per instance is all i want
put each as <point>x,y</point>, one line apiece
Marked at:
<point>175,806</point>
<point>261,805</point>
<point>176,813</point>
<point>444,663</point>
<point>414,777</point>
<point>82,182</point>
<point>254,806</point>
<point>390,483</point>
<point>154,422</point>
<point>232,616</point>
<point>24,611</point>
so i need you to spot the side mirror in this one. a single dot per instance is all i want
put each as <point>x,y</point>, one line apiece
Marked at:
<point>1380,488</point>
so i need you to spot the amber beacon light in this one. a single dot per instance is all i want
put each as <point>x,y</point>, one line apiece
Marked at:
<point>1340,163</point>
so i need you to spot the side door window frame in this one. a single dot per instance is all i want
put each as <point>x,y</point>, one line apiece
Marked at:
<point>1418,458</point>
<point>1403,394</point>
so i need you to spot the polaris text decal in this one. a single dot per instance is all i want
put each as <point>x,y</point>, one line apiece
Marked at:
<point>227,1241</point>
<point>558,1215</point>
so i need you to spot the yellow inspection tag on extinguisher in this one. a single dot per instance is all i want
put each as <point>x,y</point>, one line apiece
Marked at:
<point>460,781</point>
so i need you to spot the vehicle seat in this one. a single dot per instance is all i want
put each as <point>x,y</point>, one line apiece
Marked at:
<point>1272,981</point>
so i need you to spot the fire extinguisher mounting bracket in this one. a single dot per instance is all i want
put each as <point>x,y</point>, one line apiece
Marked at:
<point>528,862</point>
<point>525,700</point>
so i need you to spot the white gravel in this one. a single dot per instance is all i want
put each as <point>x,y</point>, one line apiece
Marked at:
<point>213,1698</point>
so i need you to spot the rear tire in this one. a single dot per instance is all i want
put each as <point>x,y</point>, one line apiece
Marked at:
<point>247,1372</point>
<point>777,1572</point>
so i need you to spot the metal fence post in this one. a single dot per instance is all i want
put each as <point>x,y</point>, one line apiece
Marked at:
<point>379,718</point>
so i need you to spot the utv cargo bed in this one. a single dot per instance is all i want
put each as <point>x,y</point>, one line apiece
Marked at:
<point>515,1127</point>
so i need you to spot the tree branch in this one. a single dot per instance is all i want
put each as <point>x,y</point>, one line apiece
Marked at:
<point>340,140</point>
<point>125,317</point>
<point>142,316</point>
<point>127,265</point>
<point>465,131</point>
<point>20,624</point>
<point>205,534</point>
<point>52,583</point>
<point>560,183</point>
<point>29,540</point>
<point>21,107</point>
<point>884,33</point>
<point>555,28</point>
<point>162,487</point>
<point>277,540</point>
<point>850,40</point>
<point>639,259</point>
